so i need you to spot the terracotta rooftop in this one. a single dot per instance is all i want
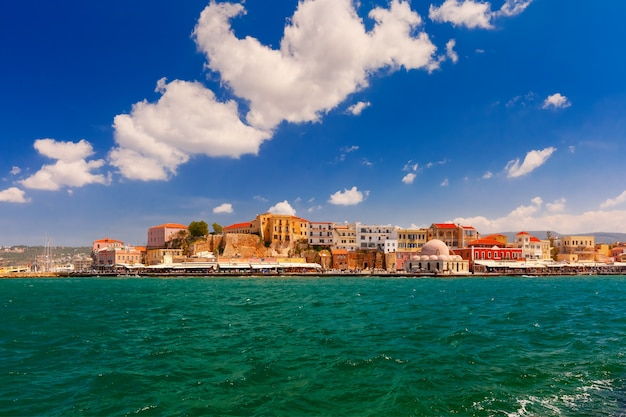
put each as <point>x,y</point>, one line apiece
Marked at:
<point>445,225</point>
<point>238,225</point>
<point>170,226</point>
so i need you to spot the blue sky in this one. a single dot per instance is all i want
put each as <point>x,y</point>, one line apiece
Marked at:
<point>117,116</point>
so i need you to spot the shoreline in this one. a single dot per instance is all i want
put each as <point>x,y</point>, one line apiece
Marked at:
<point>56,275</point>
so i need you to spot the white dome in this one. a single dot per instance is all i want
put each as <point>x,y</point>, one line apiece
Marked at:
<point>435,247</point>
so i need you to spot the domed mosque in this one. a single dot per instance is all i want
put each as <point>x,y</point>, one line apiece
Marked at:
<point>435,258</point>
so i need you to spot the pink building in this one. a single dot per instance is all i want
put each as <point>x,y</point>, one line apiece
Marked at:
<point>158,236</point>
<point>114,255</point>
<point>106,243</point>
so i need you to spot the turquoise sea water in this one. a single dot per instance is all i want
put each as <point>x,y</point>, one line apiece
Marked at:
<point>313,347</point>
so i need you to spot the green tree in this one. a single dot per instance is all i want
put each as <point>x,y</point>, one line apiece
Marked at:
<point>198,229</point>
<point>217,229</point>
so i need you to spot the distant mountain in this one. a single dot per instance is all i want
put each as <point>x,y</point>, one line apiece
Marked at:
<point>600,237</point>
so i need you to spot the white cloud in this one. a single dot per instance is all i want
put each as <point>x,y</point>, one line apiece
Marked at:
<point>450,52</point>
<point>533,160</point>
<point>357,108</point>
<point>409,178</point>
<point>466,13</point>
<point>223,208</point>
<point>612,202</point>
<point>15,170</point>
<point>556,101</point>
<point>522,100</point>
<point>13,195</point>
<point>154,139</point>
<point>260,198</point>
<point>513,7</point>
<point>533,217</point>
<point>557,206</point>
<point>445,183</point>
<point>71,168</point>
<point>410,166</point>
<point>326,54</point>
<point>348,197</point>
<point>487,175</point>
<point>282,208</point>
<point>473,14</point>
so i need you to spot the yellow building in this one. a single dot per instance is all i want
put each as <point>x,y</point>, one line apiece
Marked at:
<point>163,256</point>
<point>344,237</point>
<point>412,240</point>
<point>581,248</point>
<point>453,235</point>
<point>280,228</point>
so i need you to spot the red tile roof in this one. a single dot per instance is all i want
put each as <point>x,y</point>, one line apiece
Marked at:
<point>445,225</point>
<point>239,225</point>
<point>485,242</point>
<point>107,240</point>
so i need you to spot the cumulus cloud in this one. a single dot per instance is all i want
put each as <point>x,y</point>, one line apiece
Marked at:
<point>412,169</point>
<point>155,138</point>
<point>487,175</point>
<point>513,7</point>
<point>532,216</point>
<point>533,160</point>
<point>450,52</point>
<point>72,169</point>
<point>325,55</point>
<point>15,170</point>
<point>557,206</point>
<point>556,101</point>
<point>348,197</point>
<point>612,202</point>
<point>13,195</point>
<point>466,13</point>
<point>357,108</point>
<point>473,14</point>
<point>409,178</point>
<point>223,208</point>
<point>445,182</point>
<point>282,208</point>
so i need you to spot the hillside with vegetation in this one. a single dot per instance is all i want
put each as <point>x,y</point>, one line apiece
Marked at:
<point>25,255</point>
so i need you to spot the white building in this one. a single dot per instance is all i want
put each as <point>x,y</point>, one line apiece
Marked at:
<point>391,245</point>
<point>320,233</point>
<point>530,245</point>
<point>374,236</point>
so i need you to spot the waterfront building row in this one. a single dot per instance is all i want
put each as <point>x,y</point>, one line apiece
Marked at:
<point>358,246</point>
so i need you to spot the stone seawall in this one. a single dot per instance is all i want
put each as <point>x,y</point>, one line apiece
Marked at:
<point>32,275</point>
